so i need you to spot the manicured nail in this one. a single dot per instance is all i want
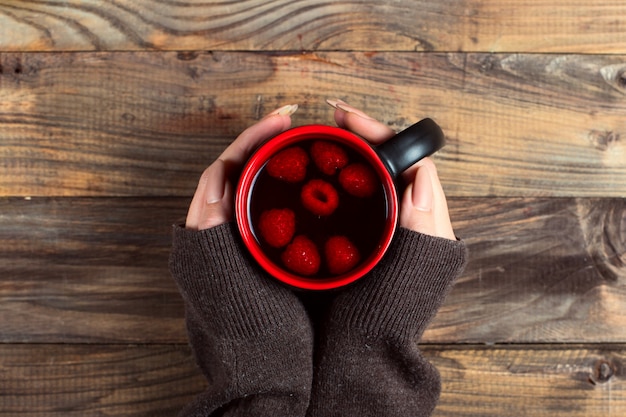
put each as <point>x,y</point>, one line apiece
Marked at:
<point>342,105</point>
<point>422,194</point>
<point>333,102</point>
<point>287,110</point>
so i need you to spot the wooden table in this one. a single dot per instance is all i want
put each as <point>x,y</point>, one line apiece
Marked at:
<point>109,112</point>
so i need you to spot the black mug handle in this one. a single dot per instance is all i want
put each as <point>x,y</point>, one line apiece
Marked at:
<point>410,145</point>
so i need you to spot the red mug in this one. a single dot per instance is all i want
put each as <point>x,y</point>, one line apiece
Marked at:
<point>324,233</point>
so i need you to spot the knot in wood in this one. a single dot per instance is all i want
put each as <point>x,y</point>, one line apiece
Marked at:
<point>615,76</point>
<point>602,372</point>
<point>187,55</point>
<point>488,63</point>
<point>602,141</point>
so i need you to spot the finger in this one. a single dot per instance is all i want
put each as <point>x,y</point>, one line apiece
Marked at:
<point>241,148</point>
<point>424,207</point>
<point>416,210</point>
<point>212,203</point>
<point>208,197</point>
<point>443,223</point>
<point>355,120</point>
<point>214,214</point>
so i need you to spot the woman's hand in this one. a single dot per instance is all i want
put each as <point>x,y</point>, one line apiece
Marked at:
<point>423,206</point>
<point>214,199</point>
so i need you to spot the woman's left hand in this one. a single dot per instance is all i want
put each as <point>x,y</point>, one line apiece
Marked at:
<point>423,205</point>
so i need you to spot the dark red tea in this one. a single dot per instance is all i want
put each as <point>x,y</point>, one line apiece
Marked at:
<point>318,209</point>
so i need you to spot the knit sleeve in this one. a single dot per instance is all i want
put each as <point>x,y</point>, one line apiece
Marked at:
<point>368,360</point>
<point>250,336</point>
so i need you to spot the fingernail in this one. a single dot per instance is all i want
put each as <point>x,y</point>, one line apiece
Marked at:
<point>342,105</point>
<point>422,195</point>
<point>333,102</point>
<point>287,110</point>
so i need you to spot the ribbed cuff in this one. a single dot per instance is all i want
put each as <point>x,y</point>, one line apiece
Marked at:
<point>399,298</point>
<point>225,288</point>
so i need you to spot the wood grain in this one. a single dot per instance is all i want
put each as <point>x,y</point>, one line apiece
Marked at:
<point>89,270</point>
<point>448,25</point>
<point>530,380</point>
<point>157,380</point>
<point>549,270</point>
<point>95,270</point>
<point>109,112</point>
<point>96,380</point>
<point>147,124</point>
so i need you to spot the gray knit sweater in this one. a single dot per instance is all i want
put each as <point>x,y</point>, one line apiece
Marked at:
<point>267,350</point>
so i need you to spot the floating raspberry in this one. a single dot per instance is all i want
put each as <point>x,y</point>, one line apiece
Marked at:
<point>289,164</point>
<point>301,256</point>
<point>319,197</point>
<point>328,157</point>
<point>358,180</point>
<point>341,255</point>
<point>277,226</point>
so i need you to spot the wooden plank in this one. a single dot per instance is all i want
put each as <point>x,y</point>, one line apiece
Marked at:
<point>89,270</point>
<point>530,381</point>
<point>113,380</point>
<point>541,270</point>
<point>128,124</point>
<point>473,25</point>
<point>95,270</point>
<point>96,380</point>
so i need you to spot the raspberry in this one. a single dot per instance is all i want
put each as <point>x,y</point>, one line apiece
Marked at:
<point>289,164</point>
<point>301,256</point>
<point>319,197</point>
<point>277,226</point>
<point>341,255</point>
<point>358,180</point>
<point>328,157</point>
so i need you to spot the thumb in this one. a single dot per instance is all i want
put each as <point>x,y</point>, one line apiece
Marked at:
<point>416,209</point>
<point>212,203</point>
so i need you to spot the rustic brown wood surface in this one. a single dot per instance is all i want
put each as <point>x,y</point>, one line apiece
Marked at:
<point>146,380</point>
<point>109,111</point>
<point>96,380</point>
<point>146,123</point>
<point>530,380</point>
<point>445,25</point>
<point>93,269</point>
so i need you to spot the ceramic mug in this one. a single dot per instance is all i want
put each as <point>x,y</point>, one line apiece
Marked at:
<point>308,205</point>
